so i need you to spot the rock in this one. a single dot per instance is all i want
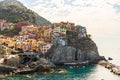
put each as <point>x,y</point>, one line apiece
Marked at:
<point>47,71</point>
<point>24,71</point>
<point>63,54</point>
<point>42,65</point>
<point>13,62</point>
<point>83,50</point>
<point>62,71</point>
<point>93,56</point>
<point>109,58</point>
<point>113,68</point>
<point>1,60</point>
<point>6,69</point>
<point>116,70</point>
<point>103,62</point>
<point>109,66</point>
<point>71,54</point>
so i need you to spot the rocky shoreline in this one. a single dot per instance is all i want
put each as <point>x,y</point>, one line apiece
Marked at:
<point>112,67</point>
<point>83,52</point>
<point>41,67</point>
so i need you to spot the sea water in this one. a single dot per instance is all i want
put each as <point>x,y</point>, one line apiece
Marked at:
<point>108,46</point>
<point>90,72</point>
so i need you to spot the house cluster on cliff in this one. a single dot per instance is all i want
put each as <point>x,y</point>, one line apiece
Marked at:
<point>5,25</point>
<point>63,33</point>
<point>41,38</point>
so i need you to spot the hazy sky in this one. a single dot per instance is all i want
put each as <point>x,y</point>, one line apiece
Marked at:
<point>101,17</point>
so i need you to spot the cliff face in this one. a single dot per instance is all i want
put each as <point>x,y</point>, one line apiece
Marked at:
<point>77,47</point>
<point>84,50</point>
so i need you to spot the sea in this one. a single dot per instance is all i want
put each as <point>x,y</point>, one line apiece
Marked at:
<point>108,46</point>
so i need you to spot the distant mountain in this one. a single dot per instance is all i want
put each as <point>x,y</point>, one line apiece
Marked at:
<point>14,11</point>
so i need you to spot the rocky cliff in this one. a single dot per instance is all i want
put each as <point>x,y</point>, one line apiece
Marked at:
<point>83,50</point>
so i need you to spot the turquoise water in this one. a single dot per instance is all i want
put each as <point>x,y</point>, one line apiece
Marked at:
<point>108,46</point>
<point>91,72</point>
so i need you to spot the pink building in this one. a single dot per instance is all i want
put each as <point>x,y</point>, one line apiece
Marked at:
<point>25,46</point>
<point>2,24</point>
<point>46,47</point>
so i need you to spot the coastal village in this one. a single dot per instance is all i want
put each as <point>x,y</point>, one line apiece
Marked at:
<point>20,54</point>
<point>38,39</point>
<point>33,42</point>
<point>32,45</point>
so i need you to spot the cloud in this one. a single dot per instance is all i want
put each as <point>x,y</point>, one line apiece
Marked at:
<point>101,17</point>
<point>117,7</point>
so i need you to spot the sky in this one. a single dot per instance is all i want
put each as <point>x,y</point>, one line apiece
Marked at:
<point>100,17</point>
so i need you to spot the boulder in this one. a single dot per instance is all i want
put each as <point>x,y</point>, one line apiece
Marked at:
<point>109,58</point>
<point>41,65</point>
<point>116,70</point>
<point>6,69</point>
<point>113,68</point>
<point>61,71</point>
<point>103,63</point>
<point>13,62</point>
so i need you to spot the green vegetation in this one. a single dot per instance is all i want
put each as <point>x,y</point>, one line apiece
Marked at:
<point>14,11</point>
<point>89,35</point>
<point>10,32</point>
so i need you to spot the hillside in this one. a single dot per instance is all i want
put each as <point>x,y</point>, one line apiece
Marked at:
<point>14,11</point>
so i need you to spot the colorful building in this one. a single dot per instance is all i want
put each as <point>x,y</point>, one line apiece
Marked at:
<point>45,47</point>
<point>2,24</point>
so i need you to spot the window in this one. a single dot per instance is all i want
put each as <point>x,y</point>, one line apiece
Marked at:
<point>44,50</point>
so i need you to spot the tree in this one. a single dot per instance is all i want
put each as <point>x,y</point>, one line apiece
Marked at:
<point>89,35</point>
